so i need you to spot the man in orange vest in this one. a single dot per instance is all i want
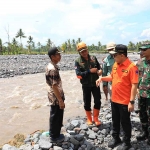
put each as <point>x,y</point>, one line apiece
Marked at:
<point>124,77</point>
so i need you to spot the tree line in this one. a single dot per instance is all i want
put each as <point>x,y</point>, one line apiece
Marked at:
<point>69,46</point>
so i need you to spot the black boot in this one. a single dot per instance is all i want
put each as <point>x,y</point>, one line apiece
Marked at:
<point>114,142</point>
<point>142,136</point>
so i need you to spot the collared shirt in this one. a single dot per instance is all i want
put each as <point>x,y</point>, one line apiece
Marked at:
<point>123,76</point>
<point>144,78</point>
<point>52,78</point>
<point>107,66</point>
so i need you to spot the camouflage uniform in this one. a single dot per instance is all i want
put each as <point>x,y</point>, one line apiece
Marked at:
<point>144,92</point>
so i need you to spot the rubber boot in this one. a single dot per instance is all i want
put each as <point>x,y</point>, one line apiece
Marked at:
<point>143,136</point>
<point>89,117</point>
<point>95,116</point>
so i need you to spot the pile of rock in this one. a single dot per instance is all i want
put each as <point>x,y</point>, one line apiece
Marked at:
<point>30,64</point>
<point>79,136</point>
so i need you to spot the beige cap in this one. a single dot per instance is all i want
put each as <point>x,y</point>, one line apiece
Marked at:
<point>110,45</point>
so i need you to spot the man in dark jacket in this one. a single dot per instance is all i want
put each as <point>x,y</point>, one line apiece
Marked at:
<point>88,70</point>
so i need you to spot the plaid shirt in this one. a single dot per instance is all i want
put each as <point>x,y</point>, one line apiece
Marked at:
<point>52,78</point>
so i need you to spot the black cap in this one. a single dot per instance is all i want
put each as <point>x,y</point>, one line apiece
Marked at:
<point>120,48</point>
<point>53,51</point>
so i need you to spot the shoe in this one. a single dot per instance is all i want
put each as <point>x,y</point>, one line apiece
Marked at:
<point>124,146</point>
<point>57,140</point>
<point>114,142</point>
<point>142,136</point>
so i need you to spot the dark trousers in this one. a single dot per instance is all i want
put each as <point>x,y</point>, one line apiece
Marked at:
<point>144,113</point>
<point>87,97</point>
<point>55,121</point>
<point>121,115</point>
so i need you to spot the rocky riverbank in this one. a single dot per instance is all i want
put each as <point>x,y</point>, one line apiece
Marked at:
<point>79,136</point>
<point>15,65</point>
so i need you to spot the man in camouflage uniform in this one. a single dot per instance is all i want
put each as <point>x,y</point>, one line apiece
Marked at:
<point>144,93</point>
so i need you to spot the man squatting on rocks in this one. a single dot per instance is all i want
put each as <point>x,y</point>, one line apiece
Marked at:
<point>144,92</point>
<point>88,69</point>
<point>124,77</point>
<point>55,96</point>
<point>107,67</point>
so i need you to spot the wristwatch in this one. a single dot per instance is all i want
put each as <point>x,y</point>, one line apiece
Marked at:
<point>132,102</point>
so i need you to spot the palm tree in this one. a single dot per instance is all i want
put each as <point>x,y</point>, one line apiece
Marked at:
<point>14,42</point>
<point>131,46</point>
<point>69,45</point>
<point>79,40</point>
<point>99,45</point>
<point>20,34</point>
<point>74,44</point>
<point>39,46</point>
<point>49,43</point>
<point>14,46</point>
<point>30,43</point>
<point>30,38</point>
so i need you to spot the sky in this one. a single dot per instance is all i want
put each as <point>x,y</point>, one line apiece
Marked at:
<point>118,21</point>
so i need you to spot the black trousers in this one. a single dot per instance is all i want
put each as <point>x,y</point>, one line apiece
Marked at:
<point>87,97</point>
<point>144,113</point>
<point>55,121</point>
<point>121,115</point>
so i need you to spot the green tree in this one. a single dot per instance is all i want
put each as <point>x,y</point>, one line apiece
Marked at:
<point>30,43</point>
<point>73,44</point>
<point>49,43</point>
<point>69,44</point>
<point>14,45</point>
<point>39,46</point>
<point>131,46</point>
<point>1,47</point>
<point>99,45</point>
<point>78,41</point>
<point>21,35</point>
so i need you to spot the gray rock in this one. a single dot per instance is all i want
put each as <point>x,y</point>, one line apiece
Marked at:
<point>57,148</point>
<point>75,123</point>
<point>9,147</point>
<point>44,144</point>
<point>84,126</point>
